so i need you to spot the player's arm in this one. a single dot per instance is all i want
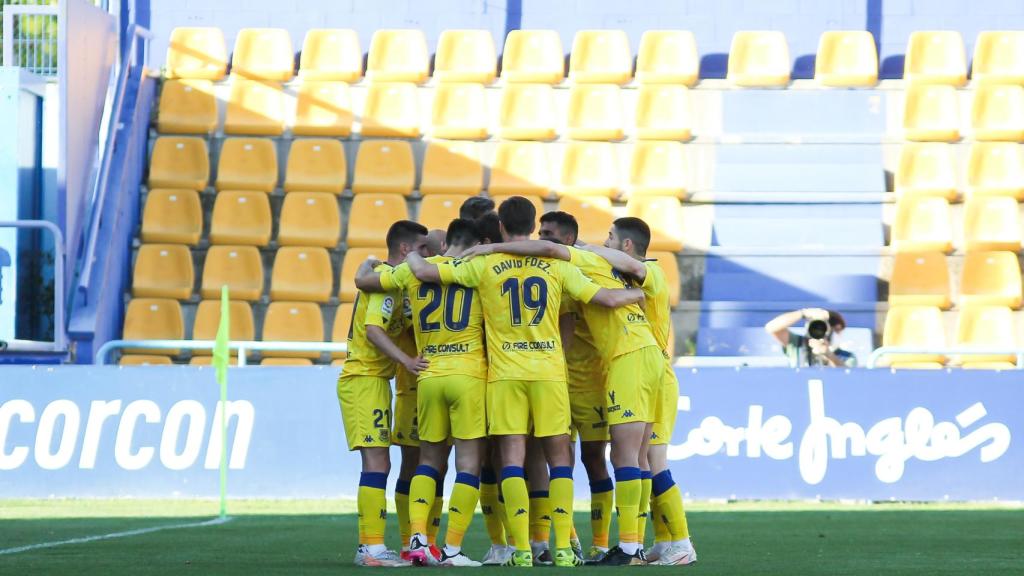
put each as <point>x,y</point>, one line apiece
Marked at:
<point>567,328</point>
<point>618,297</point>
<point>379,338</point>
<point>387,280</point>
<point>421,269</point>
<point>366,279</point>
<point>541,248</point>
<point>619,260</point>
<point>581,288</point>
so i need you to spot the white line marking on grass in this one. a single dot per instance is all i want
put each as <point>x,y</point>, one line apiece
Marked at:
<point>113,535</point>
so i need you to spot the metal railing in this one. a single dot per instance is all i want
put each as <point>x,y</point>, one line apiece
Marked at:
<point>59,343</point>
<point>30,38</point>
<point>103,354</point>
<point>879,353</point>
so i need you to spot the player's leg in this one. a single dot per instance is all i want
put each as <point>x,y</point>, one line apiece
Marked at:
<point>407,469</point>
<point>645,489</point>
<point>540,502</point>
<point>489,498</point>
<point>433,429</point>
<point>601,495</point>
<point>549,404</point>
<point>508,419</point>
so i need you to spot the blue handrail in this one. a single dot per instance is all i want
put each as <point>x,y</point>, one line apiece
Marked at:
<point>103,353</point>
<point>59,325</point>
<point>952,351</point>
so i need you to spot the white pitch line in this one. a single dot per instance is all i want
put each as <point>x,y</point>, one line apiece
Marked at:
<point>138,532</point>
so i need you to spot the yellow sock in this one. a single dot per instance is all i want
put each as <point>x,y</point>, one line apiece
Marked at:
<point>462,506</point>
<point>572,529</point>
<point>670,505</point>
<point>503,516</point>
<point>373,507</point>
<point>561,504</point>
<point>402,509</point>
<point>421,499</point>
<point>489,505</point>
<point>435,519</point>
<point>540,516</point>
<point>645,506</point>
<point>627,501</point>
<point>602,498</point>
<point>517,505</point>
<point>661,533</point>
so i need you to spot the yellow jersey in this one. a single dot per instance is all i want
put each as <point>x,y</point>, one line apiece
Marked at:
<point>659,312</point>
<point>521,297</point>
<point>447,320</point>
<point>384,310</point>
<point>582,357</point>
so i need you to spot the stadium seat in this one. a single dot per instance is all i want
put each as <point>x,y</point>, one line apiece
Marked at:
<point>595,112</point>
<point>384,166</point>
<point>759,59</point>
<point>292,322</point>
<point>663,113</point>
<point>846,59</point>
<point>533,56</point>
<point>459,112</point>
<point>998,57</point>
<point>922,224</point>
<point>187,107</point>
<point>240,268</point>
<point>986,327</point>
<point>370,216</point>
<point>935,57</point>
<point>670,265</point>
<point>438,210</point>
<point>451,168</point>
<point>398,56</point>
<point>664,215</point>
<point>179,162</point>
<point>332,55</point>
<point>589,169</point>
<point>520,169</point>
<point>309,219</point>
<point>241,218</point>
<point>594,215</point>
<point>342,326</point>
<point>301,273</point>
<point>353,258</point>
<point>996,169</point>
<point>992,223</point>
<point>601,56</point>
<point>990,279</point>
<point>926,169</point>
<point>163,271</point>
<point>658,169</point>
<point>240,323</point>
<point>172,217</point>
<point>144,360</point>
<point>391,110</point>
<point>998,113</point>
<point>316,165</point>
<point>247,164</point>
<point>255,107</point>
<point>198,53</point>
<point>264,54</point>
<point>919,279</point>
<point>537,201</point>
<point>931,113</point>
<point>667,57</point>
<point>294,362</point>
<point>916,326</point>
<point>323,108</point>
<point>527,112</point>
<point>153,319</point>
<point>465,56</point>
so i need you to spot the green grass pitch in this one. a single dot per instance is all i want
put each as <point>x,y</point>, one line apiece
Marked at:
<point>319,537</point>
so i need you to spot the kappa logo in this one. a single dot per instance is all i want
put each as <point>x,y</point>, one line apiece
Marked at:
<point>421,501</point>
<point>436,522</point>
<point>487,510</point>
<point>545,517</point>
<point>628,413</point>
<point>454,509</point>
<point>368,439</point>
<point>560,511</point>
<point>383,514</point>
<point>654,435</point>
<point>520,512</point>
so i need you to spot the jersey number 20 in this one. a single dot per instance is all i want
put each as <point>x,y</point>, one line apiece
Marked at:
<point>434,294</point>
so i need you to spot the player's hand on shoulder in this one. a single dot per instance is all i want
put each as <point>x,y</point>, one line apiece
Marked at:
<point>373,262</point>
<point>478,250</point>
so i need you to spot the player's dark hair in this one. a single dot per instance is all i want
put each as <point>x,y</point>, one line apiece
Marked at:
<point>404,231</point>
<point>475,207</point>
<point>566,222</point>
<point>636,230</point>
<point>836,319</point>
<point>462,232</point>
<point>518,215</point>
<point>489,228</point>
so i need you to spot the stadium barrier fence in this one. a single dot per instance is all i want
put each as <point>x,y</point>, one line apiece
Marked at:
<point>59,344</point>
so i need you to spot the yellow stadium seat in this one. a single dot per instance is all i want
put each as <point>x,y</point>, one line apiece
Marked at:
<point>187,107</point>
<point>332,55</point>
<point>520,169</point>
<point>601,56</point>
<point>663,113</point>
<point>996,169</point>
<point>451,168</point>
<point>533,56</point>
<point>316,165</point>
<point>153,319</point>
<point>144,360</point>
<point>914,326</point>
<point>342,326</point>
<point>163,271</point>
<point>992,223</point>
<point>179,162</point>
<point>241,218</point>
<point>846,58</point>
<point>922,224</point>
<point>323,108</point>
<point>384,166</point>
<point>459,112</point>
<point>595,112</point>
<point>465,56</point>
<point>527,112</point>
<point>670,265</point>
<point>238,267</point>
<point>594,215</point>
<point>537,201</point>
<point>247,164</point>
<point>998,113</point>
<point>279,362</point>
<point>172,217</point>
<point>353,258</point>
<point>926,170</point>
<point>935,57</point>
<point>438,210</point>
<point>658,169</point>
<point>990,279</point>
<point>264,54</point>
<point>292,322</point>
<point>664,215</point>
<point>931,113</point>
<point>370,217</point>
<point>198,53</point>
<point>398,56</point>
<point>207,320</point>
<point>301,273</point>
<point>255,107</point>
<point>391,110</point>
<point>919,279</point>
<point>759,59</point>
<point>999,57</point>
<point>667,57</point>
<point>309,219</point>
<point>986,327</point>
<point>589,169</point>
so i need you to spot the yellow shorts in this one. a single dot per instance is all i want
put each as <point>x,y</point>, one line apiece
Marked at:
<point>587,412</point>
<point>667,407</point>
<point>405,429</point>
<point>519,406</point>
<point>366,410</point>
<point>633,381</point>
<point>452,406</point>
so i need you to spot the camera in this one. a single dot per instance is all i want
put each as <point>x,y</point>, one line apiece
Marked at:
<point>818,329</point>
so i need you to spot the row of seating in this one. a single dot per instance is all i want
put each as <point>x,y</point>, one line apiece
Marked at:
<point>990,278</point>
<point>980,326</point>
<point>924,223</point>
<point>932,113</point>
<point>930,169</point>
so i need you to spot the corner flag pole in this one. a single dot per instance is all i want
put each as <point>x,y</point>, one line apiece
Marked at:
<point>221,358</point>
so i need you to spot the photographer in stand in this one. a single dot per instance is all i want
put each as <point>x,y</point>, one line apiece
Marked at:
<point>817,347</point>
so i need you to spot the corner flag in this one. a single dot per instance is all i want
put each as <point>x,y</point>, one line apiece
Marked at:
<point>221,357</point>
